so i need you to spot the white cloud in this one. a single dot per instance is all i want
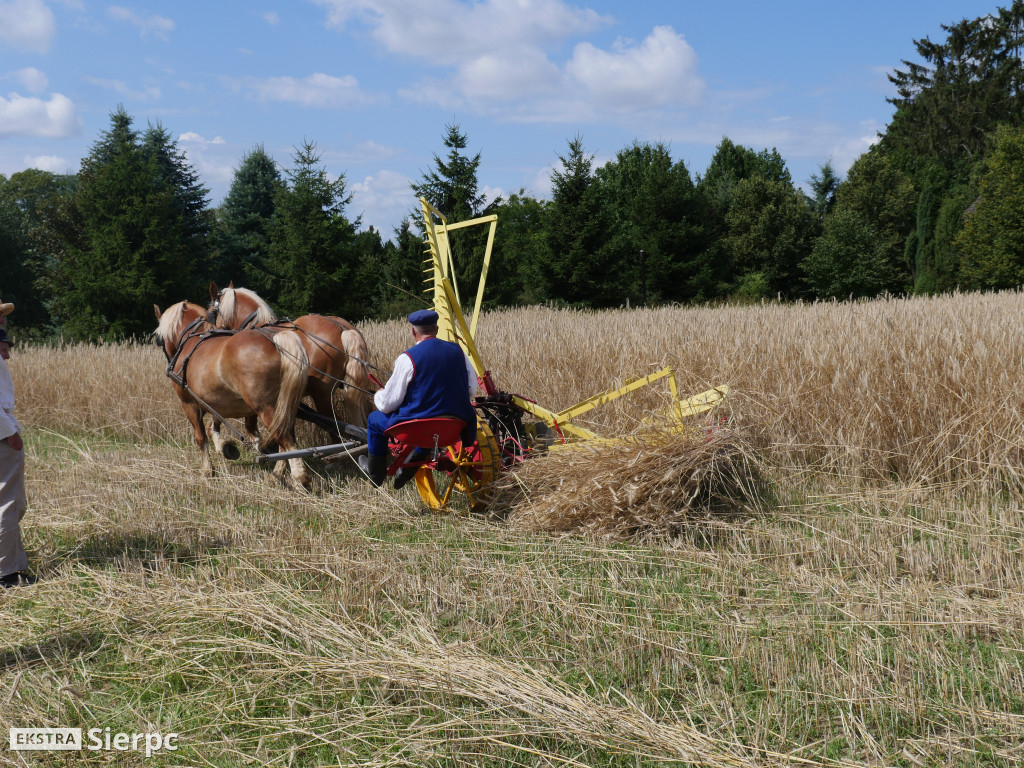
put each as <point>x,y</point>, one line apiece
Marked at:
<point>121,87</point>
<point>490,194</point>
<point>26,25</point>
<point>196,138</point>
<point>496,47</point>
<point>845,153</point>
<point>501,57</point>
<point>661,70</point>
<point>157,25</point>
<point>31,79</point>
<point>53,119</point>
<point>495,77</point>
<point>271,18</point>
<point>450,33</point>
<point>316,90</point>
<point>540,185</point>
<point>382,200</point>
<point>50,163</point>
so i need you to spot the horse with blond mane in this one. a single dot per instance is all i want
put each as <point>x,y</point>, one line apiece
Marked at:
<point>247,375</point>
<point>336,350</point>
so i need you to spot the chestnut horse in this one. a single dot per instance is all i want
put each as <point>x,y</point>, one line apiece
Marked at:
<point>336,350</point>
<point>246,375</point>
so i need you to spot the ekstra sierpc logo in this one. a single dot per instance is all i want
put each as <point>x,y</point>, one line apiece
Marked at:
<point>95,739</point>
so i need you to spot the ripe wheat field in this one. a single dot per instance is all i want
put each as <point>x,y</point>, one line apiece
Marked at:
<point>861,604</point>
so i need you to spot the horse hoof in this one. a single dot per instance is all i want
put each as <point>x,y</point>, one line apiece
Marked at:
<point>230,452</point>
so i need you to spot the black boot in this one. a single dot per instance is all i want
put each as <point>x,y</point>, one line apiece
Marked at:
<point>407,472</point>
<point>404,475</point>
<point>374,467</point>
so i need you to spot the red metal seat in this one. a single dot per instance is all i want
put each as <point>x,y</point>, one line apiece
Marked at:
<point>441,431</point>
<point>426,434</point>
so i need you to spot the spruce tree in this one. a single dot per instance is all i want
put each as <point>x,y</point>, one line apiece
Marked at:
<point>246,218</point>
<point>130,236</point>
<point>313,262</point>
<point>581,271</point>
<point>453,189</point>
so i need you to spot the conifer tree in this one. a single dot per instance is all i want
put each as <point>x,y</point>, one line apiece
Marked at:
<point>129,236</point>
<point>313,262</point>
<point>246,217</point>
<point>580,270</point>
<point>654,234</point>
<point>992,240</point>
<point>453,188</point>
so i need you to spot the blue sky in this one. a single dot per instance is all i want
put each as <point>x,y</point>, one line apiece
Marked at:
<point>375,82</point>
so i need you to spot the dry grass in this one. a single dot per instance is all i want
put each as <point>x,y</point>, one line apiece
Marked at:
<point>651,484</point>
<point>871,614</point>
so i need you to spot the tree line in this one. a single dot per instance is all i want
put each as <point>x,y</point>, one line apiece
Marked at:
<point>934,205</point>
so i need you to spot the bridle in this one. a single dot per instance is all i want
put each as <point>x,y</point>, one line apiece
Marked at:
<point>214,312</point>
<point>189,332</point>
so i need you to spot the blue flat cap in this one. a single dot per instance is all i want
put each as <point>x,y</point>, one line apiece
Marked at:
<point>423,317</point>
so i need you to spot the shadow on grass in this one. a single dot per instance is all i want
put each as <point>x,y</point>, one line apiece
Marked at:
<point>136,550</point>
<point>42,652</point>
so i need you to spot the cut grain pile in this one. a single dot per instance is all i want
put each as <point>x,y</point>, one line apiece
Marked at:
<point>650,483</point>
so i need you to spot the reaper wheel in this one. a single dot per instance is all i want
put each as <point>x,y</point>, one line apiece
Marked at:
<point>466,470</point>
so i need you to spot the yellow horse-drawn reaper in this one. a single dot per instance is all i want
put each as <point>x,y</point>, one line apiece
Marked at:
<point>510,428</point>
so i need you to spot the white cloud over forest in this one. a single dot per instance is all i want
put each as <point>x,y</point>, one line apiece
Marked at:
<point>661,70</point>
<point>53,118</point>
<point>316,90</point>
<point>26,25</point>
<point>50,163</point>
<point>503,56</point>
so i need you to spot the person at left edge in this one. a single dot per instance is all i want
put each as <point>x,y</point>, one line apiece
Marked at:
<point>432,378</point>
<point>13,559</point>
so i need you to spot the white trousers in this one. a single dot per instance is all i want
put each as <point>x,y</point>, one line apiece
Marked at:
<point>12,508</point>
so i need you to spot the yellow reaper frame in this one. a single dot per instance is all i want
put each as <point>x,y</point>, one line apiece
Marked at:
<point>452,326</point>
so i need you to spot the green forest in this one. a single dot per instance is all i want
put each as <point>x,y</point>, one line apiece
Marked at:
<point>935,205</point>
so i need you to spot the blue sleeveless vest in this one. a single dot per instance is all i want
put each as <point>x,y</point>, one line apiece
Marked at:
<point>439,383</point>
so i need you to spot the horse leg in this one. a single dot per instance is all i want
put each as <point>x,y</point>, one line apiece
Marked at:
<point>224,446</point>
<point>195,416</point>
<point>300,475</point>
<point>252,429</point>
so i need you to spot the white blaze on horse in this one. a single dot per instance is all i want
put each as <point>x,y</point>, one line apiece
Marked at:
<point>246,375</point>
<point>336,350</point>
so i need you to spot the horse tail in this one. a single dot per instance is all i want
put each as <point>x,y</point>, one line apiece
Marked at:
<point>357,402</point>
<point>294,370</point>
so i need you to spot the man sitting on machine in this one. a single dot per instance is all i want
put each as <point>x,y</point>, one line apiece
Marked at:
<point>433,378</point>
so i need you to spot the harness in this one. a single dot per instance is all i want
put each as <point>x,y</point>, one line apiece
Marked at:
<point>180,378</point>
<point>286,323</point>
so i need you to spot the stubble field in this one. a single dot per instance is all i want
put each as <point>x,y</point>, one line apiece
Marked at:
<point>861,604</point>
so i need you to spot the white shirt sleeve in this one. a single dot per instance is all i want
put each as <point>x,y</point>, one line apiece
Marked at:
<point>389,398</point>
<point>8,424</point>
<point>472,378</point>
